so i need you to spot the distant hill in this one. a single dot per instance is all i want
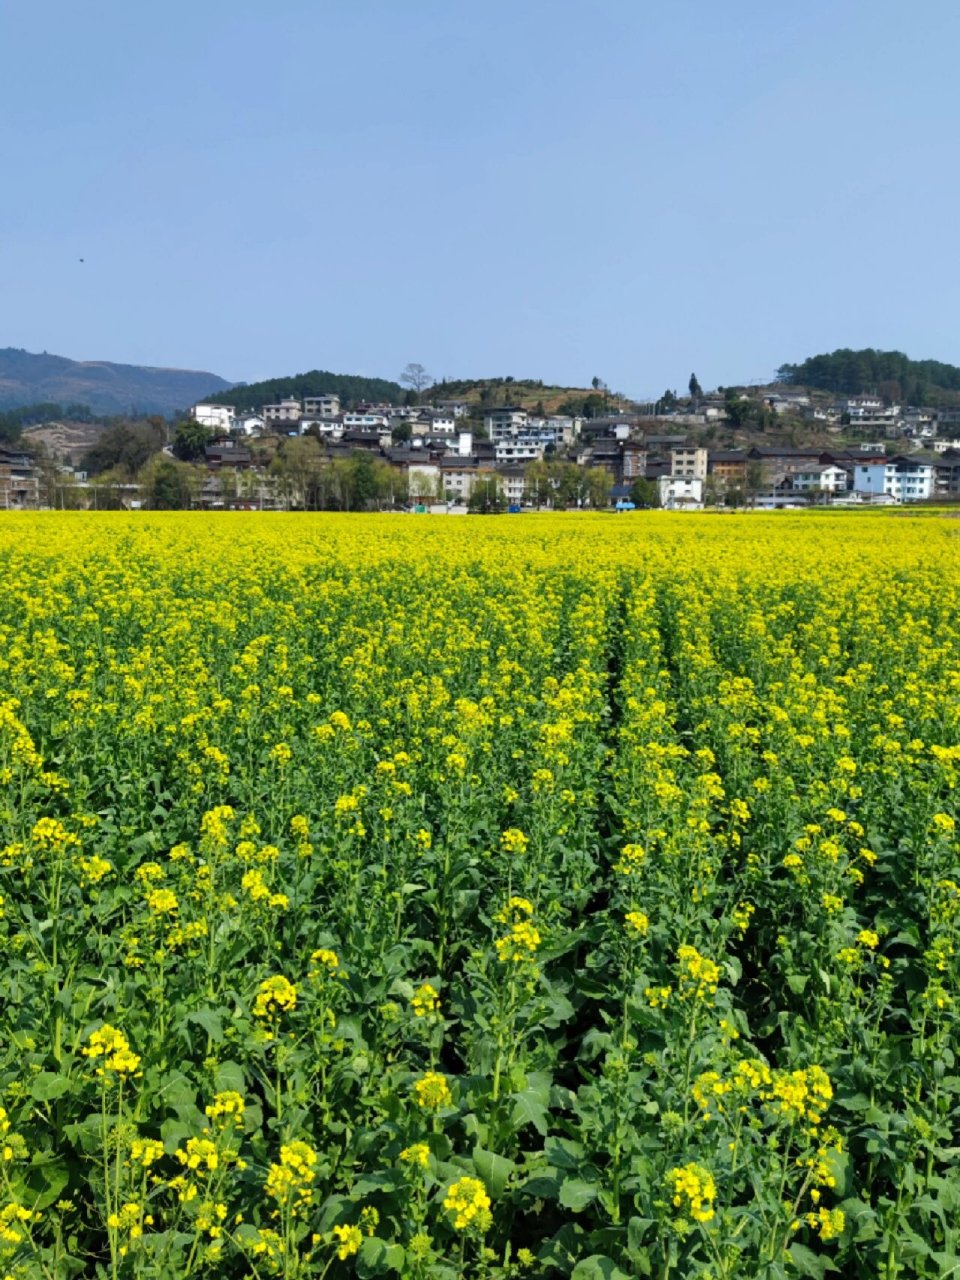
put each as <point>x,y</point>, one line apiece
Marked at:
<point>26,379</point>
<point>528,393</point>
<point>886,373</point>
<point>318,382</point>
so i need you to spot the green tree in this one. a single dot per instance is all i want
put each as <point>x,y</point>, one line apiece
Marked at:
<point>696,391</point>
<point>568,484</point>
<point>486,497</point>
<point>538,483</point>
<point>190,440</point>
<point>124,447</point>
<point>167,487</point>
<point>363,479</point>
<point>753,479</point>
<point>597,483</point>
<point>644,493</point>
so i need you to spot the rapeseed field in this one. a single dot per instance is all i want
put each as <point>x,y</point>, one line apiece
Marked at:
<point>559,895</point>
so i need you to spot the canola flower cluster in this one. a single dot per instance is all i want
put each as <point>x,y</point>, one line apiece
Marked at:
<point>570,895</point>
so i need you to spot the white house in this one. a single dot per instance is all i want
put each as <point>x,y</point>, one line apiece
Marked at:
<point>362,421</point>
<point>902,478</point>
<point>505,422</point>
<point>328,427</point>
<point>680,493</point>
<point>219,417</point>
<point>518,451</point>
<point>459,475</point>
<point>828,479</point>
<point>514,486</point>
<point>436,422</point>
<point>251,424</point>
<point>458,408</point>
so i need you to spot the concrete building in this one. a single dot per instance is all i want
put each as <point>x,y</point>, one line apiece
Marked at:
<point>904,479</point>
<point>503,423</point>
<point>327,406</point>
<point>680,493</point>
<point>288,410</point>
<point>688,460</point>
<point>218,417</point>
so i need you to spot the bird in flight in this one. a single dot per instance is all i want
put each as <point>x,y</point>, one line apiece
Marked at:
<point>83,259</point>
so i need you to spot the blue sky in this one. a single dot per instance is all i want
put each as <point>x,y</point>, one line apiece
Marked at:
<point>488,187</point>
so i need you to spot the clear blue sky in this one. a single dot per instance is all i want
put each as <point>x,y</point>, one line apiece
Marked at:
<point>543,188</point>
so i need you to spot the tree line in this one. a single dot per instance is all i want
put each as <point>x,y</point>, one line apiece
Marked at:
<point>889,374</point>
<point>318,382</point>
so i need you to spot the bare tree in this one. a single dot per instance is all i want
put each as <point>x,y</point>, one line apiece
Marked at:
<point>416,378</point>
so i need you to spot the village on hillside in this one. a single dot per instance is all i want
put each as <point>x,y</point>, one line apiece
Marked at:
<point>450,455</point>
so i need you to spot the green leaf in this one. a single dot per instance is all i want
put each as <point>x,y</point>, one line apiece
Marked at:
<point>45,1180</point>
<point>494,1170</point>
<point>809,1263</point>
<point>49,1085</point>
<point>228,1078</point>
<point>176,1090</point>
<point>797,982</point>
<point>377,1257</point>
<point>598,1267</point>
<point>576,1194</point>
<point>528,1108</point>
<point>210,1021</point>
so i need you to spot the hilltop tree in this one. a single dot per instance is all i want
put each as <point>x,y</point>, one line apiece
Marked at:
<point>696,391</point>
<point>416,378</point>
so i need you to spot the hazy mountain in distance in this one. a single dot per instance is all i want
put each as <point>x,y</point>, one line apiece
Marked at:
<point>27,378</point>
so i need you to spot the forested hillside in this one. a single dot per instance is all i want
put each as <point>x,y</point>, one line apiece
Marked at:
<point>318,382</point>
<point>889,373</point>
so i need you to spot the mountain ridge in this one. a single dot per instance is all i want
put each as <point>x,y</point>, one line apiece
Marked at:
<point>104,386</point>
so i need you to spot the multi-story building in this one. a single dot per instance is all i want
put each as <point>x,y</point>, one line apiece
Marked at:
<point>19,481</point>
<point>688,460</point>
<point>729,467</point>
<point>456,407</point>
<point>824,477</point>
<point>365,421</point>
<point>435,422</point>
<point>288,410</point>
<point>218,417</point>
<point>505,422</point>
<point>680,492</point>
<point>514,485</point>
<point>902,478</point>
<point>634,460</point>
<point>327,406</point>
<point>518,451</point>
<point>946,474</point>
